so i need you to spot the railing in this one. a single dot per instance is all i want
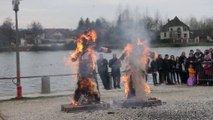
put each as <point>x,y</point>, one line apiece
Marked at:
<point>204,72</point>
<point>36,76</point>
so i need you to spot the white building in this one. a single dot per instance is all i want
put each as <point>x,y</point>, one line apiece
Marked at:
<point>175,30</point>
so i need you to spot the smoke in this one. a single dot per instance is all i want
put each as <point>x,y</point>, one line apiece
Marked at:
<point>132,25</point>
<point>133,30</point>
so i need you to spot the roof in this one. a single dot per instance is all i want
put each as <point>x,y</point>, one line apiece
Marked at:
<point>174,22</point>
<point>64,32</point>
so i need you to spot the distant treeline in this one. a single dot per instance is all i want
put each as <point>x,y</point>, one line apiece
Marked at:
<point>127,26</point>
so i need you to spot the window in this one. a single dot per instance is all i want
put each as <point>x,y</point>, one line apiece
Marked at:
<point>185,29</point>
<point>179,35</point>
<point>170,35</point>
<point>165,34</point>
<point>171,29</point>
<point>179,30</point>
<point>185,35</point>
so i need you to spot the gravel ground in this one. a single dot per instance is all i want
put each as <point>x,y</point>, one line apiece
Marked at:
<point>181,103</point>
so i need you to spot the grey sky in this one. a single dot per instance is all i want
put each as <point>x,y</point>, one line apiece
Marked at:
<point>66,13</point>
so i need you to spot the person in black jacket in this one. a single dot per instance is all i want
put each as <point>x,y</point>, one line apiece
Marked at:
<point>115,65</point>
<point>166,68</point>
<point>178,69</point>
<point>172,64</point>
<point>159,61</point>
<point>183,70</point>
<point>154,68</point>
<point>198,63</point>
<point>102,65</point>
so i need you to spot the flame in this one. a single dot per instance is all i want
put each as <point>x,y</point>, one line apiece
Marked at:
<point>128,50</point>
<point>125,80</point>
<point>85,52</point>
<point>83,39</point>
<point>73,102</point>
<point>147,89</point>
<point>143,55</point>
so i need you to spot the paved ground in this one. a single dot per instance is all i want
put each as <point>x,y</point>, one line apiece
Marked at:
<point>182,102</point>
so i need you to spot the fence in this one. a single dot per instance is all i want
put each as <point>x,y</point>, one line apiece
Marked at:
<point>204,72</point>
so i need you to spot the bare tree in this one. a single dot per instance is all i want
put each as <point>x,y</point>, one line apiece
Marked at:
<point>35,31</point>
<point>7,32</point>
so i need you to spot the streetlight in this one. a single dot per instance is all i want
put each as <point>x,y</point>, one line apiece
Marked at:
<point>18,84</point>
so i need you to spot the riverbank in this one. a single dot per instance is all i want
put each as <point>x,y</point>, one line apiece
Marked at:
<point>71,47</point>
<point>182,102</point>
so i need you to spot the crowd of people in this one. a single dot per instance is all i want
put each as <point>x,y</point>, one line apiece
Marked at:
<point>183,69</point>
<point>170,69</point>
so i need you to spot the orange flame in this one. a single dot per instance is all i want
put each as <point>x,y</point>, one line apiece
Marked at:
<point>73,102</point>
<point>144,57</point>
<point>147,89</point>
<point>85,50</point>
<point>125,80</point>
<point>89,36</point>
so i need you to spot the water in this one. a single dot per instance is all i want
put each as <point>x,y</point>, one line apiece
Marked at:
<point>51,63</point>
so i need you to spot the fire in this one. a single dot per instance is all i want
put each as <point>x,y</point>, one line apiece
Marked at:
<point>125,80</point>
<point>147,89</point>
<point>73,102</point>
<point>131,54</point>
<point>87,91</point>
<point>84,39</point>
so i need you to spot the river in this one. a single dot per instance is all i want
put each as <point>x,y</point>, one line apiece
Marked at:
<point>53,63</point>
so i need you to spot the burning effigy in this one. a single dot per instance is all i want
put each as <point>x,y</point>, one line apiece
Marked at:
<point>87,89</point>
<point>136,56</point>
<point>87,92</point>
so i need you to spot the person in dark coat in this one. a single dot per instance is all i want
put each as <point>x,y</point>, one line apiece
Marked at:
<point>172,64</point>
<point>154,69</point>
<point>166,68</point>
<point>198,63</point>
<point>159,61</point>
<point>183,70</point>
<point>102,65</point>
<point>115,65</point>
<point>190,60</point>
<point>178,69</point>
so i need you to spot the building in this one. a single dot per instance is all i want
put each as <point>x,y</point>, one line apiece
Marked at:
<point>56,35</point>
<point>175,30</point>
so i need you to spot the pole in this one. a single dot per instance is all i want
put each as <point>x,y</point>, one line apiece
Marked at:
<point>18,85</point>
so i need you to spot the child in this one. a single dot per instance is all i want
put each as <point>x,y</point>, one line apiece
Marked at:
<point>191,80</point>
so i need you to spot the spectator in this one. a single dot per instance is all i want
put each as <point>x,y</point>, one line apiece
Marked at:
<point>191,80</point>
<point>166,68</point>
<point>178,69</point>
<point>154,68</point>
<point>183,70</point>
<point>172,64</point>
<point>115,65</point>
<point>159,61</point>
<point>191,51</point>
<point>207,65</point>
<point>102,65</point>
<point>190,60</point>
<point>198,63</point>
<point>147,67</point>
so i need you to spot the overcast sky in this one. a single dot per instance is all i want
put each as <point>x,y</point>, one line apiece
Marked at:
<point>66,13</point>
